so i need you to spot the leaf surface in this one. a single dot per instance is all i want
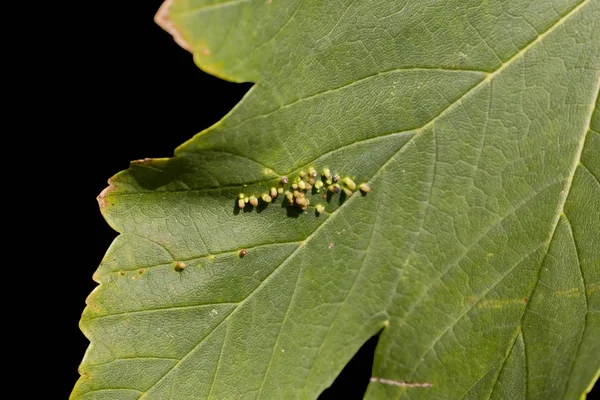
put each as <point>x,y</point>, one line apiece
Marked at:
<point>477,253</point>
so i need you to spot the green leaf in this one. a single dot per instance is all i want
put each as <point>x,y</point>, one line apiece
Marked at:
<point>477,252</point>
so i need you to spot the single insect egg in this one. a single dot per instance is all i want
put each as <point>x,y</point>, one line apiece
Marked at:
<point>350,183</point>
<point>179,266</point>
<point>241,196</point>
<point>243,252</point>
<point>302,185</point>
<point>279,190</point>
<point>311,181</point>
<point>266,198</point>
<point>308,186</point>
<point>283,180</point>
<point>365,188</point>
<point>253,201</point>
<point>320,208</point>
<point>295,186</point>
<point>319,184</point>
<point>246,199</point>
<point>289,195</point>
<point>328,181</point>
<point>273,192</point>
<point>312,172</point>
<point>348,192</point>
<point>241,203</point>
<point>335,178</point>
<point>326,173</point>
<point>301,201</point>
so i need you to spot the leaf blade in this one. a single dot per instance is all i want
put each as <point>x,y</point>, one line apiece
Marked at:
<point>398,195</point>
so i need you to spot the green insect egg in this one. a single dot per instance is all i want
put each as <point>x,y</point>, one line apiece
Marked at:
<point>279,190</point>
<point>319,184</point>
<point>326,173</point>
<point>302,174</point>
<point>334,188</point>
<point>320,208</point>
<point>295,186</point>
<point>347,192</point>
<point>266,198</point>
<point>302,185</point>
<point>349,183</point>
<point>241,196</point>
<point>312,172</point>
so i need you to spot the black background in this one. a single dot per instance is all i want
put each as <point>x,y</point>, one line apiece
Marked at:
<point>142,96</point>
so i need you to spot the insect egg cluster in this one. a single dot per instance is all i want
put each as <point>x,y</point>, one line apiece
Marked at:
<point>296,191</point>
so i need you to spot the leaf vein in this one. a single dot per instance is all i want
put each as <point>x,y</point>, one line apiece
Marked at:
<point>285,317</point>
<point>159,309</point>
<point>470,307</point>
<point>587,303</point>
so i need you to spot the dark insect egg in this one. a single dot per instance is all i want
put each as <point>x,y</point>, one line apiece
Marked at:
<point>243,252</point>
<point>283,180</point>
